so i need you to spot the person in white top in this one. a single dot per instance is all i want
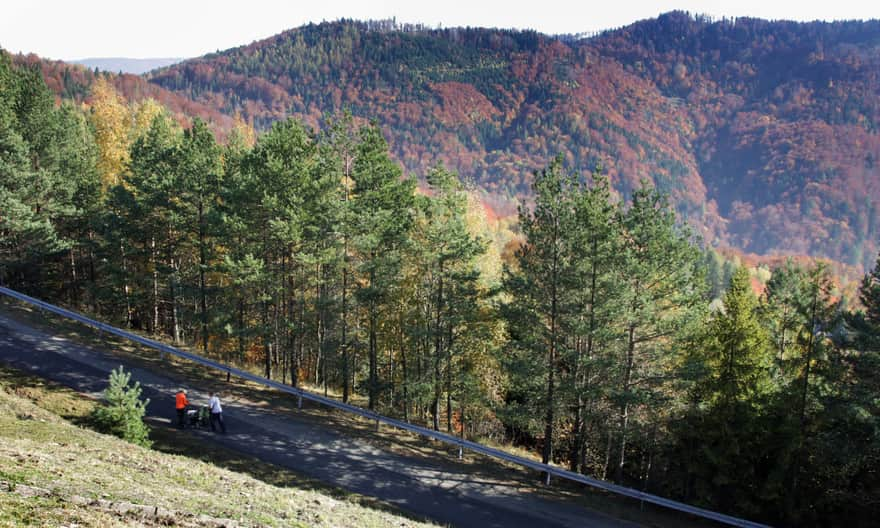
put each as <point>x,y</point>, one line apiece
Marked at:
<point>216,412</point>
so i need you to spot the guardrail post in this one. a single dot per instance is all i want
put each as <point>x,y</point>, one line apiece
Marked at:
<point>547,479</point>
<point>460,453</point>
<point>299,401</point>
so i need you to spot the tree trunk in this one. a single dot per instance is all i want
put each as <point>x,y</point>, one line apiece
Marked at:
<point>609,440</point>
<point>405,381</point>
<point>547,454</point>
<point>449,380</point>
<point>624,409</point>
<point>296,364</point>
<point>241,329</point>
<point>438,352</point>
<point>74,283</point>
<point>802,411</point>
<point>172,292</point>
<point>203,264</point>
<point>373,360</point>
<point>267,351</point>
<point>578,427</point>
<point>345,360</point>
<point>155,328</point>
<point>125,288</point>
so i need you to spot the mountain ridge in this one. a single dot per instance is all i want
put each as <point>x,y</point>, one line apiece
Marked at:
<point>739,120</point>
<point>125,64</point>
<point>765,134</point>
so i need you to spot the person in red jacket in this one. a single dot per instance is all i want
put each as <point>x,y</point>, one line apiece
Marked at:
<point>180,404</point>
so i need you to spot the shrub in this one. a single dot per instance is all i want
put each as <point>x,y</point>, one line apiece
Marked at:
<point>123,412</point>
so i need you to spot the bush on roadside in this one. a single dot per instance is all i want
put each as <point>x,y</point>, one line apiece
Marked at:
<point>123,412</point>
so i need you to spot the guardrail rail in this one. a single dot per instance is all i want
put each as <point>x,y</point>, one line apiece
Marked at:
<point>429,433</point>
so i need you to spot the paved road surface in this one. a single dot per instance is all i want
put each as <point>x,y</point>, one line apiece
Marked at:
<point>415,484</point>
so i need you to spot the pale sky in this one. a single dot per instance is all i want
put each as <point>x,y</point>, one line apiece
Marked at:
<point>70,29</point>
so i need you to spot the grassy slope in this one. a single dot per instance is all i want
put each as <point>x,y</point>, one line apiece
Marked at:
<point>41,446</point>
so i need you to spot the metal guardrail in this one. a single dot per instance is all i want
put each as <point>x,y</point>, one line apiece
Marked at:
<point>436,435</point>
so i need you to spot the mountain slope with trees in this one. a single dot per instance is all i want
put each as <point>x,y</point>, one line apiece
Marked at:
<point>602,338</point>
<point>75,82</point>
<point>764,133</point>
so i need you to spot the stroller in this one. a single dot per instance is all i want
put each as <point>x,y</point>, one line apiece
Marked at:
<point>197,418</point>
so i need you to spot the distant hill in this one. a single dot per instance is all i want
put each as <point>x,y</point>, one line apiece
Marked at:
<point>74,81</point>
<point>124,65</point>
<point>765,133</point>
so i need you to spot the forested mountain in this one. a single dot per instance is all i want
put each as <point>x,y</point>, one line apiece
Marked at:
<point>75,82</point>
<point>764,133</point>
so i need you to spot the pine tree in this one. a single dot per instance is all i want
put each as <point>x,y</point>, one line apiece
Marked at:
<point>663,291</point>
<point>541,303</point>
<point>152,226</point>
<point>39,144</point>
<point>449,255</point>
<point>279,168</point>
<point>869,295</point>
<point>382,213</point>
<point>123,414</point>
<point>597,246</point>
<point>740,356</point>
<point>199,174</point>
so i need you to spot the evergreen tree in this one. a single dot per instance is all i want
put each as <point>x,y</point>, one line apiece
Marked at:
<point>736,356</point>
<point>597,247</point>
<point>541,303</point>
<point>869,295</point>
<point>279,169</point>
<point>382,213</point>
<point>200,174</point>
<point>449,255</point>
<point>123,414</point>
<point>152,227</point>
<point>663,292</point>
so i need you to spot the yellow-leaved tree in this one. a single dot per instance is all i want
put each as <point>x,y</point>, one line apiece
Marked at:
<point>110,117</point>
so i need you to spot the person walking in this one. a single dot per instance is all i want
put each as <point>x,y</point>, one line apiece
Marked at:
<point>180,403</point>
<point>216,413</point>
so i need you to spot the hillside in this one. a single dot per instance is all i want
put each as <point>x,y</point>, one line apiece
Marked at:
<point>764,133</point>
<point>53,473</point>
<point>74,81</point>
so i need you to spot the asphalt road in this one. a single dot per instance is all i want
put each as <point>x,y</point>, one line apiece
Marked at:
<point>415,484</point>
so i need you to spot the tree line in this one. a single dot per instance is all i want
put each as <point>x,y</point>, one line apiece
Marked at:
<point>593,338</point>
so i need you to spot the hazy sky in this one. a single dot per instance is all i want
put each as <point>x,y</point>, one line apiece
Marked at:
<point>70,29</point>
